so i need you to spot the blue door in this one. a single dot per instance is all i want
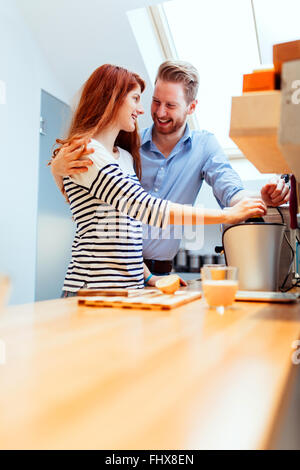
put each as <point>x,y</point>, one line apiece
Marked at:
<point>55,228</point>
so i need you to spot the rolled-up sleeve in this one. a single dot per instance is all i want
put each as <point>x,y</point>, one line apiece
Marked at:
<point>219,174</point>
<point>105,180</point>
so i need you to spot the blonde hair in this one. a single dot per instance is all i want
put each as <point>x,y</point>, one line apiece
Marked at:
<point>180,72</point>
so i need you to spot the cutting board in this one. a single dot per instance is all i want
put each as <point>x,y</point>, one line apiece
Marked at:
<point>152,300</point>
<point>113,292</point>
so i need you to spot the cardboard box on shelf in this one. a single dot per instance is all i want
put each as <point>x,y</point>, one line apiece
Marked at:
<point>289,125</point>
<point>285,52</point>
<point>259,80</point>
<point>254,126</point>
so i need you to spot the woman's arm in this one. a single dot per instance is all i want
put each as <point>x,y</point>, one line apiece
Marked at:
<point>106,181</point>
<point>188,215</point>
<point>153,279</point>
<point>147,271</point>
<point>69,161</point>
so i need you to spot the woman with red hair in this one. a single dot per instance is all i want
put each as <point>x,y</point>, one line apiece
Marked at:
<point>108,202</point>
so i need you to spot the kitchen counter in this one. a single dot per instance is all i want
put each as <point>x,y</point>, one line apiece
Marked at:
<point>189,378</point>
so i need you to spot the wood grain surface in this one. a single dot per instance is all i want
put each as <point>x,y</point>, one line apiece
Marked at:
<point>188,378</point>
<point>149,299</point>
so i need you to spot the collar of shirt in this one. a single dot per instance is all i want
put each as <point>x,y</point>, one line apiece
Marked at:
<point>146,139</point>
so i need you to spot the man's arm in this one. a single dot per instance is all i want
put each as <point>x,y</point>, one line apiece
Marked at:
<point>69,161</point>
<point>227,185</point>
<point>219,174</point>
<point>275,193</point>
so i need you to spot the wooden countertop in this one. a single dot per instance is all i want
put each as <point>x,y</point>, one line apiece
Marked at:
<point>78,377</point>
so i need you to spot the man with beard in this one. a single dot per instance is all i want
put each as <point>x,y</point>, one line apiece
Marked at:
<point>175,161</point>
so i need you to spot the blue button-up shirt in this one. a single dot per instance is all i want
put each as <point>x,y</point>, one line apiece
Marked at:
<point>179,177</point>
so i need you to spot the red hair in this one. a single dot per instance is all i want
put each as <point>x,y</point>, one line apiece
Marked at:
<point>101,98</point>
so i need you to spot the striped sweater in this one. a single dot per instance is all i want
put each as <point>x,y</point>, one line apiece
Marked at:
<point>109,206</point>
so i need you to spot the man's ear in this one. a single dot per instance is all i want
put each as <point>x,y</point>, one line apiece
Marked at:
<point>192,106</point>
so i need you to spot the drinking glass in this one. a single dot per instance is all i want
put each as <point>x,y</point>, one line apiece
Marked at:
<point>219,284</point>
<point>217,272</point>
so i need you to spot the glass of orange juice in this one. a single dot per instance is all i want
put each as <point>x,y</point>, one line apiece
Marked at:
<point>219,284</point>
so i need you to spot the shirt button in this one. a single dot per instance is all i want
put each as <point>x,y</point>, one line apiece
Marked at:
<point>156,189</point>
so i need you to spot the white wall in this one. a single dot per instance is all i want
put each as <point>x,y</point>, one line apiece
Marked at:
<point>24,71</point>
<point>78,36</point>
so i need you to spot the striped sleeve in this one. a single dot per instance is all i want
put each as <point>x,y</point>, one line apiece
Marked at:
<point>106,181</point>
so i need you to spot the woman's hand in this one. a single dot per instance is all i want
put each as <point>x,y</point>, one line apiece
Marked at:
<point>245,209</point>
<point>67,162</point>
<point>153,279</point>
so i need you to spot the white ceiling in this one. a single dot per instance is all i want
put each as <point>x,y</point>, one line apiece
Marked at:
<point>78,36</point>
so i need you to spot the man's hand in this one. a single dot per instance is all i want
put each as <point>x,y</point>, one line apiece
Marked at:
<point>275,192</point>
<point>67,162</point>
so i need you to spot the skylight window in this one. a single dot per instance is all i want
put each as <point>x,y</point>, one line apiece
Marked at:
<point>223,39</point>
<point>219,38</point>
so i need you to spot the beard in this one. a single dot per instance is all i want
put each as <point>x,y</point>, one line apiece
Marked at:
<point>171,128</point>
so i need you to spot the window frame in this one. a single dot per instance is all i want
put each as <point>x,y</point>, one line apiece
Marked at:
<point>165,39</point>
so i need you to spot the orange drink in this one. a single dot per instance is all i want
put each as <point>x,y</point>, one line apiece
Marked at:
<point>219,285</point>
<point>219,293</point>
<point>217,273</point>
